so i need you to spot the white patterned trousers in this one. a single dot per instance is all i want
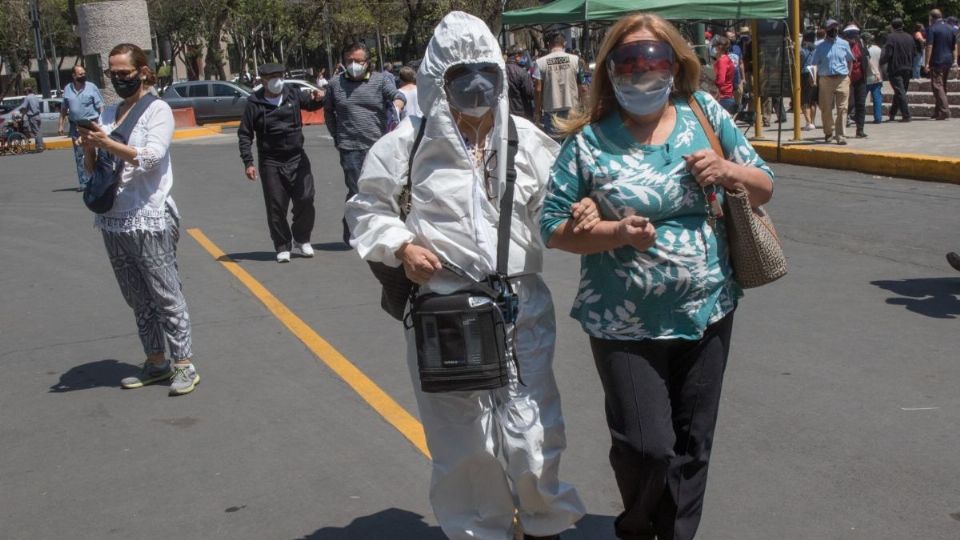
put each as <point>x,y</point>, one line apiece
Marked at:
<point>145,263</point>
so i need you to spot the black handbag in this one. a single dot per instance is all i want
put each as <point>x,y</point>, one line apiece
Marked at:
<point>396,286</point>
<point>462,338</point>
<point>101,190</point>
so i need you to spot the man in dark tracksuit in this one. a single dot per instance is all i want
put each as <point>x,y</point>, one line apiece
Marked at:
<point>520,85</point>
<point>273,116</point>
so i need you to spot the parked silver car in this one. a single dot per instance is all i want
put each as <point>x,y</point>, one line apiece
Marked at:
<point>49,113</point>
<point>212,101</point>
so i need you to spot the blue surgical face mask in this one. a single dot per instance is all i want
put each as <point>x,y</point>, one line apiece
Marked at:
<point>645,94</point>
<point>522,62</point>
<point>474,93</point>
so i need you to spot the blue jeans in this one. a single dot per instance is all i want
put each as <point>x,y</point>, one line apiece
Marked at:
<point>77,154</point>
<point>352,163</point>
<point>729,104</point>
<point>917,64</point>
<point>36,132</point>
<point>547,119</point>
<point>875,91</point>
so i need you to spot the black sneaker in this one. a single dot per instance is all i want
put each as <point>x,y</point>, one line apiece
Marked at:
<point>954,259</point>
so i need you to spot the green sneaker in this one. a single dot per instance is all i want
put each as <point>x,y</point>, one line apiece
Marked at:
<point>185,379</point>
<point>149,374</point>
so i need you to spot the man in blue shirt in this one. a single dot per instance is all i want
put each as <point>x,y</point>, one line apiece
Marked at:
<point>31,109</point>
<point>832,57</point>
<point>81,101</point>
<point>939,56</point>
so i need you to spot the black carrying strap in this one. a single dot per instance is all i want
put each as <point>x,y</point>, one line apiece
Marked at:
<point>405,204</point>
<point>123,131</point>
<point>506,202</point>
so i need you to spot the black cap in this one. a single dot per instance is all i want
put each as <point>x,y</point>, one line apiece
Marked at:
<point>271,69</point>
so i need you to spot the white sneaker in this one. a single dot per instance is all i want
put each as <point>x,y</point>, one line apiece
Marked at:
<point>304,249</point>
<point>807,127</point>
<point>283,257</point>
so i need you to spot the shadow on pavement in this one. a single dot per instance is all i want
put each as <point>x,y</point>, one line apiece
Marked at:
<point>261,256</point>
<point>392,523</point>
<point>332,246</point>
<point>933,297</point>
<point>99,374</point>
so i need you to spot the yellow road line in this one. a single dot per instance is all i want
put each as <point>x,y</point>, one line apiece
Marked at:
<point>381,402</point>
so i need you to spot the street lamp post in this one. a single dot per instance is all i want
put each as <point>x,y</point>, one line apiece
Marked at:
<point>43,76</point>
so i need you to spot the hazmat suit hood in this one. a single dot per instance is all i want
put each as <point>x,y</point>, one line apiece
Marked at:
<point>455,204</point>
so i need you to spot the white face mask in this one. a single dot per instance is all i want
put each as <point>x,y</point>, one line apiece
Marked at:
<point>643,95</point>
<point>356,70</point>
<point>275,86</point>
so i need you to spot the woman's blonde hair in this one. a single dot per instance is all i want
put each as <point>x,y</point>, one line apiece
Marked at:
<point>602,99</point>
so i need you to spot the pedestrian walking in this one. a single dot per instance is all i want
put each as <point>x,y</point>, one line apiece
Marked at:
<point>142,228</point>
<point>897,56</point>
<point>496,452</point>
<point>558,85</point>
<point>919,44</point>
<point>940,55</point>
<point>723,70</point>
<point>355,110</point>
<point>833,58</point>
<point>657,293</point>
<point>859,70</point>
<point>322,81</point>
<point>808,83</point>
<point>31,108</point>
<point>408,85</point>
<point>81,101</point>
<point>874,78</point>
<point>272,117</point>
<point>520,85</point>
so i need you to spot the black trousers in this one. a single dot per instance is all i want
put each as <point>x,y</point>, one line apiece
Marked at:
<point>284,181</point>
<point>900,80</point>
<point>662,398</point>
<point>858,100</point>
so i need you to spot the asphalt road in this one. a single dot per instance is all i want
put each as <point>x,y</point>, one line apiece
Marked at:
<point>839,417</point>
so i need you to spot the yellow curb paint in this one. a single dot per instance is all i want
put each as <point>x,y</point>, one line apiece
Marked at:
<point>918,166</point>
<point>390,410</point>
<point>64,143</point>
<point>229,124</point>
<point>192,133</point>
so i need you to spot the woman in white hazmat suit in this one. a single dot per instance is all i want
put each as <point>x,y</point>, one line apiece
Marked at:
<point>495,452</point>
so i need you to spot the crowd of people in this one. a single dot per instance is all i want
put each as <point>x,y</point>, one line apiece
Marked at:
<point>842,66</point>
<point>619,169</point>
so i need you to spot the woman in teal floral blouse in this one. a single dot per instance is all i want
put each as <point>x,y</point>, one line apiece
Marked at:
<point>657,293</point>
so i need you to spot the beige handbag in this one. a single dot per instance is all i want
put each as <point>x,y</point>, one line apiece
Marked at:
<point>755,249</point>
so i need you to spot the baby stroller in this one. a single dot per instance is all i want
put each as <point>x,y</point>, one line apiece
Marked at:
<point>13,136</point>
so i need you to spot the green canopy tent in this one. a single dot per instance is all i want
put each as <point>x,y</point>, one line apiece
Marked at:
<point>583,11</point>
<point>596,13</point>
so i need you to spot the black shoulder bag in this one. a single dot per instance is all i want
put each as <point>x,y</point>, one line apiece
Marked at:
<point>462,338</point>
<point>397,288</point>
<point>102,188</point>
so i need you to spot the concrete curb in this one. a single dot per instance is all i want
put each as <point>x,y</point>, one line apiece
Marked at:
<point>64,143</point>
<point>917,166</point>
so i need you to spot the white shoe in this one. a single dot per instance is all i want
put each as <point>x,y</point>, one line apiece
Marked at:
<point>283,256</point>
<point>807,127</point>
<point>304,249</point>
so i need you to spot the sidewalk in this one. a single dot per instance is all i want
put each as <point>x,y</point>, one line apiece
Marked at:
<point>923,149</point>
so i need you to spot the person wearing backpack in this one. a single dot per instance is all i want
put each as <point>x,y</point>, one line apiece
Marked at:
<point>496,451</point>
<point>141,227</point>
